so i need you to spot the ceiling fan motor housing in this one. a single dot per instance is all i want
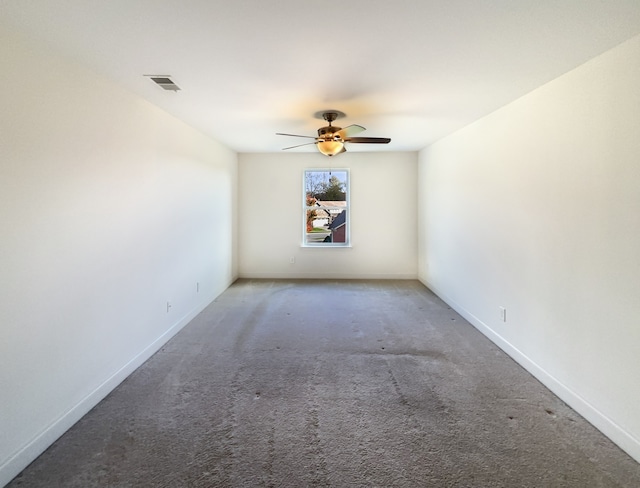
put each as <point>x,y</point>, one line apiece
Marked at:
<point>329,132</point>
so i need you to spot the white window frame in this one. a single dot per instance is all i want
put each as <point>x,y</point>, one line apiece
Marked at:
<point>347,208</point>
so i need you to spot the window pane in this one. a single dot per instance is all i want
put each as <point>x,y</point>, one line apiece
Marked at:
<point>325,207</point>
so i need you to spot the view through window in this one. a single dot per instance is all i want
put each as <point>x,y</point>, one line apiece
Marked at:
<point>326,207</point>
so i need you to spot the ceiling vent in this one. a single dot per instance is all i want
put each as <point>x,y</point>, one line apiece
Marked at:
<point>164,82</point>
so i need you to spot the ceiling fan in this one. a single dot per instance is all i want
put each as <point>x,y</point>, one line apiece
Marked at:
<point>331,139</point>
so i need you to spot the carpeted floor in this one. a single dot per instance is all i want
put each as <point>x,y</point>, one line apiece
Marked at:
<point>331,384</point>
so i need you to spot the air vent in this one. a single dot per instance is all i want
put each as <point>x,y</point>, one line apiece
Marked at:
<point>164,82</point>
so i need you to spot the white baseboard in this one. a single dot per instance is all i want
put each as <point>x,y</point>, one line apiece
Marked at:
<point>27,454</point>
<point>604,424</point>
<point>318,275</point>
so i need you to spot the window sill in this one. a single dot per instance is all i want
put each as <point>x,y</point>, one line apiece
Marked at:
<point>326,246</point>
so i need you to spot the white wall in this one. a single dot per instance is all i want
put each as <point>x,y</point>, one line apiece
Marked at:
<point>383,217</point>
<point>537,208</point>
<point>109,208</point>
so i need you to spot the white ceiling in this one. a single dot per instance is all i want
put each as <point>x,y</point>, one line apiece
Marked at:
<point>412,70</point>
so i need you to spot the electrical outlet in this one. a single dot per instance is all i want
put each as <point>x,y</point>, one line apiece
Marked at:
<point>168,306</point>
<point>503,314</point>
<point>292,260</point>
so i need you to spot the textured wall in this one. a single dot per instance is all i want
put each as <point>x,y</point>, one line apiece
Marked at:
<point>535,208</point>
<point>109,208</point>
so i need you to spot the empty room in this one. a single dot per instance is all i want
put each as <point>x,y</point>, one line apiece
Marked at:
<point>291,244</point>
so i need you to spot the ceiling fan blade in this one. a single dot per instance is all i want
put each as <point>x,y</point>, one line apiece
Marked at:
<point>299,145</point>
<point>294,135</point>
<point>368,140</point>
<point>350,130</point>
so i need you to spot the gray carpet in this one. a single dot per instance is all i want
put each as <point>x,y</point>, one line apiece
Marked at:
<point>331,384</point>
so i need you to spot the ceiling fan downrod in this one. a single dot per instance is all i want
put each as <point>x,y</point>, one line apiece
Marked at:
<point>330,116</point>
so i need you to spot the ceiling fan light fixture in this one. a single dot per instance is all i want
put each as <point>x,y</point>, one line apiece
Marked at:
<point>330,147</point>
<point>331,139</point>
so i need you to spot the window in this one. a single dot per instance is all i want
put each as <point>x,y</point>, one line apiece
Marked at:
<point>326,208</point>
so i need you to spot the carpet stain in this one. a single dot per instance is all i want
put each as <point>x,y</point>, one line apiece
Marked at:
<point>396,386</point>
